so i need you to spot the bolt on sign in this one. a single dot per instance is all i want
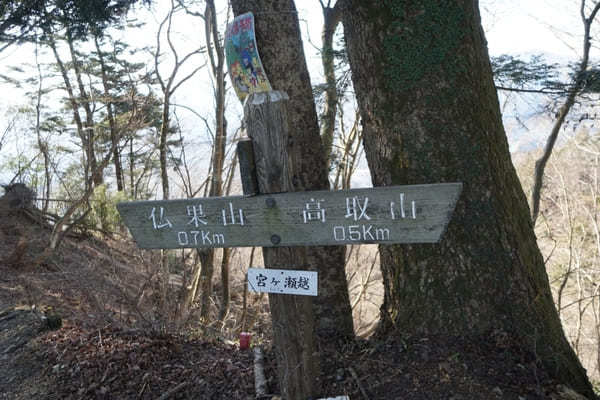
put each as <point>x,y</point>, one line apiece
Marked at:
<point>391,214</point>
<point>283,281</point>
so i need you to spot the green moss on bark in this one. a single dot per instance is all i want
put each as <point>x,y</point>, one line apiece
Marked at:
<point>422,35</point>
<point>430,114</point>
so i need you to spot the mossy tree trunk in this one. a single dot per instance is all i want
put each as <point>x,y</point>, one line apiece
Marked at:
<point>280,48</point>
<point>430,114</point>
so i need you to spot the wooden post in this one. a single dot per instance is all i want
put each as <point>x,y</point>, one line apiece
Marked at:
<point>265,115</point>
<point>245,154</point>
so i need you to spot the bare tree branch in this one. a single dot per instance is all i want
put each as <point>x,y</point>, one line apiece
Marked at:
<point>577,87</point>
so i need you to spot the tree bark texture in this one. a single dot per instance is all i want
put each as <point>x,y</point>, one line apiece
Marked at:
<point>265,116</point>
<point>430,114</point>
<point>280,48</point>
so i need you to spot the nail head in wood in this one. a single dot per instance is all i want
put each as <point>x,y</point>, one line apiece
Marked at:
<point>275,239</point>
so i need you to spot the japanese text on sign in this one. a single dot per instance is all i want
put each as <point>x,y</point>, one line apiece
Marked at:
<point>400,214</point>
<point>313,211</point>
<point>282,281</point>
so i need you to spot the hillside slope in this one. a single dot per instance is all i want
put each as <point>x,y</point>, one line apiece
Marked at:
<point>62,337</point>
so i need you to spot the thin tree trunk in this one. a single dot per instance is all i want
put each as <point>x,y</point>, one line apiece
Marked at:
<point>111,119</point>
<point>85,102</point>
<point>162,147</point>
<point>207,259</point>
<point>597,321</point>
<point>227,252</point>
<point>430,114</point>
<point>331,18</point>
<point>348,160</point>
<point>132,170</point>
<point>243,318</point>
<point>58,232</point>
<point>217,61</point>
<point>43,145</point>
<point>190,292</point>
<point>578,85</point>
<point>219,75</point>
<point>540,164</point>
<point>75,108</point>
<point>168,87</point>
<point>225,261</point>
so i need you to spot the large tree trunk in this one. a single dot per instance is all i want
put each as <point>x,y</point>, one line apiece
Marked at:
<point>430,114</point>
<point>280,48</point>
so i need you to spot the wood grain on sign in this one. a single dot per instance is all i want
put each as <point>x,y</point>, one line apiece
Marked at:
<point>393,214</point>
<point>283,281</point>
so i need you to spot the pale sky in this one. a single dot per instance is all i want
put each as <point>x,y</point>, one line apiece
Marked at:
<point>532,26</point>
<point>512,26</point>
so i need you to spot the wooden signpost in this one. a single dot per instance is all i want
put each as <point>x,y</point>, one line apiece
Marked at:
<point>395,214</point>
<point>284,223</point>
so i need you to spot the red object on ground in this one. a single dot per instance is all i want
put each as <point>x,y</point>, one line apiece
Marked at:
<point>245,340</point>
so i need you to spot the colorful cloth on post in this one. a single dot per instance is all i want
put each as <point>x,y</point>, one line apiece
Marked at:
<point>245,68</point>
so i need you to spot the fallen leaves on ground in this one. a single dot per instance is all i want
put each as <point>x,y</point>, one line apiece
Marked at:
<point>109,364</point>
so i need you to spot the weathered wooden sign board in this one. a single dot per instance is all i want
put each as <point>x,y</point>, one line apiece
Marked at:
<point>393,214</point>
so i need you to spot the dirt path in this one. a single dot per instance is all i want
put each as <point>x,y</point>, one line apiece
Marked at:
<point>23,371</point>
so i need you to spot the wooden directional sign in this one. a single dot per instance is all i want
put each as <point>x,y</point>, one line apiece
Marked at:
<point>392,214</point>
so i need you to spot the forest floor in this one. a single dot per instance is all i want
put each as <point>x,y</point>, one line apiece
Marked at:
<point>88,357</point>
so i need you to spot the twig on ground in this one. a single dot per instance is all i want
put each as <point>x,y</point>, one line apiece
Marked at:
<point>142,390</point>
<point>172,391</point>
<point>360,386</point>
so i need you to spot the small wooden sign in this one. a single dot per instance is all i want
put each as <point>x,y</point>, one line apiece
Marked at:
<point>392,214</point>
<point>283,281</point>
